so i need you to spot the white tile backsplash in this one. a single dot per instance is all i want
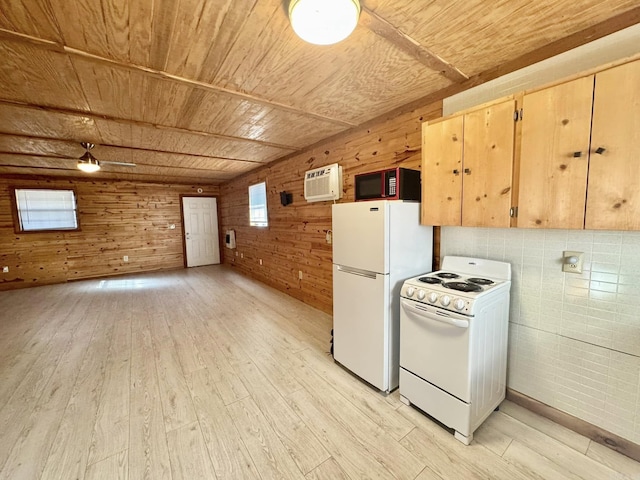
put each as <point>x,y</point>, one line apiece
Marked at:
<point>574,339</point>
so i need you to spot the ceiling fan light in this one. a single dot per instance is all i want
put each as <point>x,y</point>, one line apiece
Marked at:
<point>89,167</point>
<point>324,22</point>
<point>88,163</point>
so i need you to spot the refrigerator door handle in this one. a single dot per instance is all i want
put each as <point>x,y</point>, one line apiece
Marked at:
<point>357,271</point>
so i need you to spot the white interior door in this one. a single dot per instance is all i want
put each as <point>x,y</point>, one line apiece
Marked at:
<point>201,231</point>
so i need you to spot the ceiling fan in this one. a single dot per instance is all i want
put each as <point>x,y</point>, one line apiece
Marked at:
<point>90,164</point>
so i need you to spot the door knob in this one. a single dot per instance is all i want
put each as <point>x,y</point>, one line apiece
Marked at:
<point>577,154</point>
<point>467,171</point>
<point>456,172</point>
<point>600,150</point>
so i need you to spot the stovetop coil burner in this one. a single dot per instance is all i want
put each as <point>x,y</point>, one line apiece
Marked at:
<point>480,281</point>
<point>463,286</point>
<point>447,275</point>
<point>431,280</point>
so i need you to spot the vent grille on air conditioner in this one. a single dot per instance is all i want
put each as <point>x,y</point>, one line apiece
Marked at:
<point>324,183</point>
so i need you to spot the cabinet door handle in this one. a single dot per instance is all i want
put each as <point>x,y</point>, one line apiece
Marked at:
<point>600,150</point>
<point>577,154</point>
<point>467,171</point>
<point>456,172</point>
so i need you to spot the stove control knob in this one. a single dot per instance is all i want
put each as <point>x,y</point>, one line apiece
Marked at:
<point>421,294</point>
<point>458,304</point>
<point>445,300</point>
<point>433,297</point>
<point>410,291</point>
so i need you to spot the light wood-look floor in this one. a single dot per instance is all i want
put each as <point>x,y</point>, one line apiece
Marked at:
<point>203,374</point>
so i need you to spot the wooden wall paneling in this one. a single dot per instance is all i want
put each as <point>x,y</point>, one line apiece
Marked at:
<point>117,218</point>
<point>296,237</point>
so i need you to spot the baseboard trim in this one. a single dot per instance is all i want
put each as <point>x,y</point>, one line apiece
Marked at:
<point>597,434</point>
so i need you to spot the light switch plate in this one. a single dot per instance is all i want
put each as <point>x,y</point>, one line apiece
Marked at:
<point>572,267</point>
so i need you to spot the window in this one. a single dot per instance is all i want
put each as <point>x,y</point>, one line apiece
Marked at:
<point>40,209</point>
<point>258,205</point>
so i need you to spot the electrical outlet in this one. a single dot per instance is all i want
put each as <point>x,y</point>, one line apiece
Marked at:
<point>572,261</point>
<point>328,237</point>
<point>260,260</point>
<point>125,258</point>
<point>5,269</point>
<point>236,253</point>
<point>299,274</point>
<point>242,255</point>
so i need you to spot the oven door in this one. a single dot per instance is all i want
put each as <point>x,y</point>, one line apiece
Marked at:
<point>434,345</point>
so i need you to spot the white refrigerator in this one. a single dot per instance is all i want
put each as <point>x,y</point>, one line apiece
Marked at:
<point>376,246</point>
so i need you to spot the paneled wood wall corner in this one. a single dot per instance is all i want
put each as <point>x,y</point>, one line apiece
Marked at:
<point>118,218</point>
<point>295,240</point>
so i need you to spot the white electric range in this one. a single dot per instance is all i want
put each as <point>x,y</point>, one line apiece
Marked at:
<point>453,341</point>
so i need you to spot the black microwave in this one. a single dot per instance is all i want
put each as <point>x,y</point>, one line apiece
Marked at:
<point>392,184</point>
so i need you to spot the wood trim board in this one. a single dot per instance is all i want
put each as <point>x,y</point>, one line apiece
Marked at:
<point>593,432</point>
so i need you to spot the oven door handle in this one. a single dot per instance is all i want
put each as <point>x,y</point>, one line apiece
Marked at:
<point>421,314</point>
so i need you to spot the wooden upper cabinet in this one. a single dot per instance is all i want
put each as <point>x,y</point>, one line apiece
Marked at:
<point>467,165</point>
<point>488,166</point>
<point>613,196</point>
<point>442,172</point>
<point>554,155</point>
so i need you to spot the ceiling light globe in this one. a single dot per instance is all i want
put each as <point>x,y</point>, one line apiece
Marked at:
<point>89,166</point>
<point>324,22</point>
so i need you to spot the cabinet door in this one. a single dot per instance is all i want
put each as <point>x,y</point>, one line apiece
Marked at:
<point>613,198</point>
<point>442,172</point>
<point>488,166</point>
<point>553,178</point>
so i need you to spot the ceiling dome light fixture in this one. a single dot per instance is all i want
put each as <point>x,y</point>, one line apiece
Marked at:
<point>87,162</point>
<point>324,22</point>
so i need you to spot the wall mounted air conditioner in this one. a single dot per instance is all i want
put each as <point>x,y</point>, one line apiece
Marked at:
<point>324,183</point>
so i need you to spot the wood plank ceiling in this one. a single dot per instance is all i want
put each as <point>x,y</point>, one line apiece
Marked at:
<point>205,90</point>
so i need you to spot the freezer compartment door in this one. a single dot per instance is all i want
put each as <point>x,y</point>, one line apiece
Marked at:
<point>434,345</point>
<point>361,235</point>
<point>361,324</point>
